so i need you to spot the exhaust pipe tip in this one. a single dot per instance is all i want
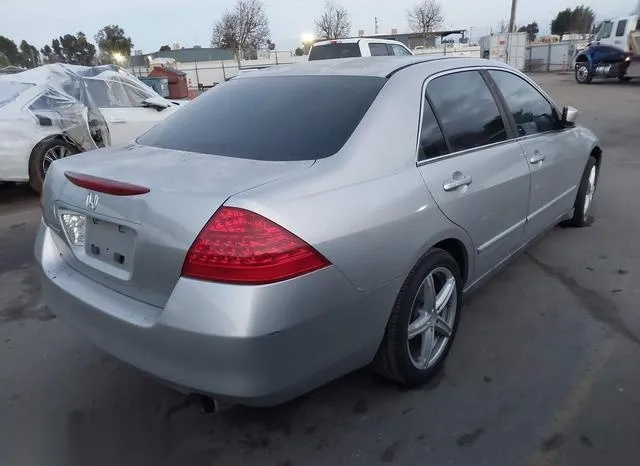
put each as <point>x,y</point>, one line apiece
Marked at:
<point>209,405</point>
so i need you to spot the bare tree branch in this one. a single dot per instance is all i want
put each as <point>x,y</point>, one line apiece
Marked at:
<point>424,17</point>
<point>243,29</point>
<point>334,23</point>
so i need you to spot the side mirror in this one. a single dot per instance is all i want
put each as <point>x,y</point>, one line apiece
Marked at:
<point>155,102</point>
<point>569,115</point>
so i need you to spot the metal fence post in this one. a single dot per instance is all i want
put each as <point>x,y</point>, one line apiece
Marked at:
<point>224,74</point>
<point>276,52</point>
<point>549,58</point>
<point>197,77</point>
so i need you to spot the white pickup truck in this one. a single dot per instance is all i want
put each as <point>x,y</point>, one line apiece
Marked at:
<point>356,47</point>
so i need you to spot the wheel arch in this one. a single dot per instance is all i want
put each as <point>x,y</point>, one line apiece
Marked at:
<point>596,153</point>
<point>52,137</point>
<point>459,252</point>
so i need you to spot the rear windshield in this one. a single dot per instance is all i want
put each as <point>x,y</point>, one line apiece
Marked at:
<point>328,51</point>
<point>275,118</point>
<point>10,90</point>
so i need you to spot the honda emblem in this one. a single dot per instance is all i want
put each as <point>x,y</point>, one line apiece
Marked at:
<point>92,201</point>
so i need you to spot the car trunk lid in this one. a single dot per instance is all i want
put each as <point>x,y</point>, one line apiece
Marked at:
<point>135,242</point>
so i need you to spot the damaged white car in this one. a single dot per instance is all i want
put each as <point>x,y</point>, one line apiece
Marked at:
<point>58,110</point>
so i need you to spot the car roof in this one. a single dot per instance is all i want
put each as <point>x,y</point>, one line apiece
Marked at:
<point>352,40</point>
<point>368,66</point>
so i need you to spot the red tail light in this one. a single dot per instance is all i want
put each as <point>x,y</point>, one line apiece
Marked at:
<point>239,246</point>
<point>105,185</point>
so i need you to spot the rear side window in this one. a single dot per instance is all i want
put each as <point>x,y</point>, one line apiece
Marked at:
<point>622,25</point>
<point>11,90</point>
<point>468,113</point>
<point>277,118</point>
<point>337,50</point>
<point>378,50</point>
<point>432,143</point>
<point>399,50</point>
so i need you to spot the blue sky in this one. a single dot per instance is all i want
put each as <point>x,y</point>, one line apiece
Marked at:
<point>151,23</point>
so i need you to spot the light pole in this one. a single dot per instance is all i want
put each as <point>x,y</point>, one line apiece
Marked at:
<point>512,19</point>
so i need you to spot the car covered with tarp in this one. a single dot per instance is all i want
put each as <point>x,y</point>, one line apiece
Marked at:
<point>57,110</point>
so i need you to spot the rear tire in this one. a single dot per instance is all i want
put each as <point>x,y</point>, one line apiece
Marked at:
<point>583,73</point>
<point>584,198</point>
<point>418,338</point>
<point>43,155</point>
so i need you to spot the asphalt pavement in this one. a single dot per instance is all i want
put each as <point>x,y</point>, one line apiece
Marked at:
<point>544,370</point>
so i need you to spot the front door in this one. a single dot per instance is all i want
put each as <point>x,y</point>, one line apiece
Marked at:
<point>554,153</point>
<point>127,123</point>
<point>478,175</point>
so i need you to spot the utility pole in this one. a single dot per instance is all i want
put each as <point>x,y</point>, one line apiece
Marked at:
<point>512,19</point>
<point>376,22</point>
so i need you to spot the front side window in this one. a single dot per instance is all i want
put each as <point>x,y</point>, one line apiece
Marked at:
<point>605,30</point>
<point>273,118</point>
<point>532,113</point>
<point>432,143</point>
<point>378,50</point>
<point>622,25</point>
<point>468,112</point>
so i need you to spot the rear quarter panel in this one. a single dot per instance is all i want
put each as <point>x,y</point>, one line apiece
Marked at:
<point>366,208</point>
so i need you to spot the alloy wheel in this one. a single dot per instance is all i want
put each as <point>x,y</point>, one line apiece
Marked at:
<point>51,155</point>
<point>582,73</point>
<point>432,318</point>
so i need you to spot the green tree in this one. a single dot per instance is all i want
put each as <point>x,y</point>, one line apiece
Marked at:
<point>9,49</point>
<point>531,29</point>
<point>576,21</point>
<point>165,48</point>
<point>76,50</point>
<point>30,55</point>
<point>582,19</point>
<point>47,53</point>
<point>560,25</point>
<point>299,52</point>
<point>113,43</point>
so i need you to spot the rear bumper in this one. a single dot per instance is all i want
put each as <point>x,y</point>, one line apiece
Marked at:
<point>249,345</point>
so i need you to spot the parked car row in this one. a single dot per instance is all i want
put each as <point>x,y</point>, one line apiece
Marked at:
<point>56,110</point>
<point>298,223</point>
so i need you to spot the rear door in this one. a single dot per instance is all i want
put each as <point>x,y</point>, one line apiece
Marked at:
<point>379,49</point>
<point>121,105</point>
<point>476,173</point>
<point>554,153</point>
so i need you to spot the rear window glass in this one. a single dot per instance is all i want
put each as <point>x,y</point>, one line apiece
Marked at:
<point>275,118</point>
<point>329,51</point>
<point>11,90</point>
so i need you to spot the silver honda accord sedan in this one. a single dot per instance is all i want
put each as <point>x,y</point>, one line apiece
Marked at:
<point>298,223</point>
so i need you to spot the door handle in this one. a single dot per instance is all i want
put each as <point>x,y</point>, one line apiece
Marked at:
<point>536,158</point>
<point>118,121</point>
<point>456,183</point>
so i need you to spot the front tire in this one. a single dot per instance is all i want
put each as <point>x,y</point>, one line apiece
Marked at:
<point>43,155</point>
<point>583,73</point>
<point>584,198</point>
<point>423,322</point>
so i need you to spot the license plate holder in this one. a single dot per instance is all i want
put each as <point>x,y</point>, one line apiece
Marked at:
<point>110,242</point>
